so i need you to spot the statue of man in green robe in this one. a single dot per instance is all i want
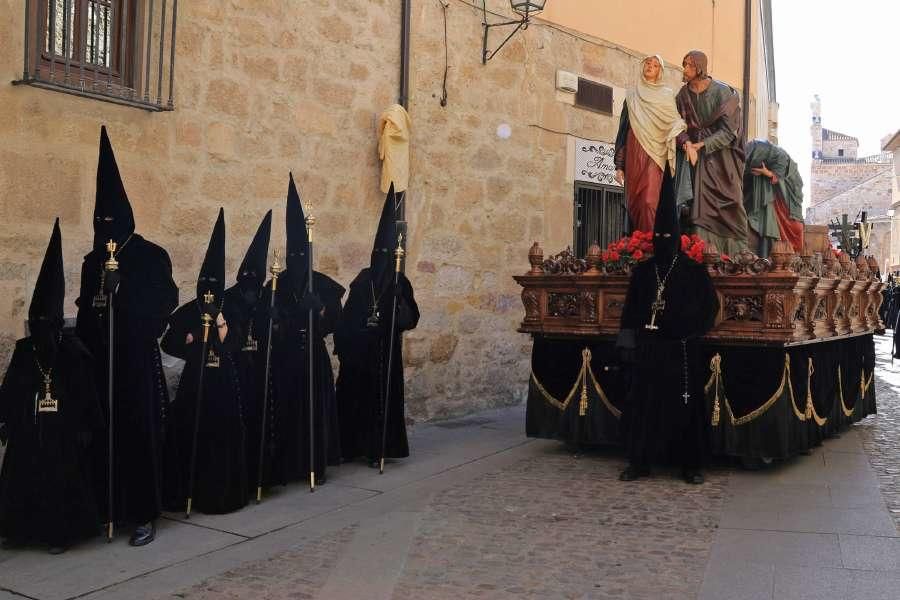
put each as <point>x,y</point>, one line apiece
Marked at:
<point>773,197</point>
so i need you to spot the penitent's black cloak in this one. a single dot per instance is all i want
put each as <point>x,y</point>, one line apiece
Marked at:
<point>362,344</point>
<point>658,419</point>
<point>146,296</point>
<point>243,301</point>
<point>220,480</point>
<point>287,429</point>
<point>46,489</point>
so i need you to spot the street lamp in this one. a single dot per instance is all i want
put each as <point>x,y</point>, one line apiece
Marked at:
<point>526,8</point>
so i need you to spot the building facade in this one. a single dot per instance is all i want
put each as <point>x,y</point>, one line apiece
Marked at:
<point>264,87</point>
<point>891,144</point>
<point>842,183</point>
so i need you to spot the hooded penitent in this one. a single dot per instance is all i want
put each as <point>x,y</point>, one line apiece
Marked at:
<point>252,272</point>
<point>45,314</point>
<point>382,261</point>
<point>666,232</point>
<point>297,239</point>
<point>49,407</point>
<point>113,218</point>
<point>212,271</point>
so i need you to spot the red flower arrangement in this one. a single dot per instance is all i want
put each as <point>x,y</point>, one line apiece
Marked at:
<point>632,249</point>
<point>693,246</point>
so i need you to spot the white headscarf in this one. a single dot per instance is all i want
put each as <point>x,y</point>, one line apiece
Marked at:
<point>653,117</point>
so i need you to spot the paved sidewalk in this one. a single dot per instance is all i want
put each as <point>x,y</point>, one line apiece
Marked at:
<point>479,511</point>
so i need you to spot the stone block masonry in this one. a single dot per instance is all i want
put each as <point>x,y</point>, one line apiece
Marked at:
<point>266,87</point>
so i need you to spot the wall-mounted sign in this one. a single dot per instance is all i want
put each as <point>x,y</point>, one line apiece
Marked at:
<point>594,162</point>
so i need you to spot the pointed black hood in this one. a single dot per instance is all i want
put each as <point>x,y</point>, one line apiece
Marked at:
<point>113,218</point>
<point>297,260</point>
<point>382,261</point>
<point>212,271</point>
<point>50,288</point>
<point>665,247</point>
<point>252,272</point>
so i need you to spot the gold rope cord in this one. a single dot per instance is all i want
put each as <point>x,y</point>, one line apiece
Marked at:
<point>810,406</point>
<point>868,383</point>
<point>562,406</point>
<point>715,380</point>
<point>580,382</point>
<point>848,412</point>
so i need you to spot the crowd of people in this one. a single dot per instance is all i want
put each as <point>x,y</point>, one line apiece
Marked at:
<point>93,440</point>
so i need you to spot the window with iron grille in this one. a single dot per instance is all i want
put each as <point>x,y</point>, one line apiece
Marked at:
<point>120,51</point>
<point>594,96</point>
<point>600,216</point>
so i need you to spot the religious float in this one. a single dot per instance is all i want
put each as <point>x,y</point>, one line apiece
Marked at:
<point>791,357</point>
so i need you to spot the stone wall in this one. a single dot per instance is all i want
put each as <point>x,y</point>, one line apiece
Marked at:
<point>830,148</point>
<point>269,86</point>
<point>830,179</point>
<point>872,195</point>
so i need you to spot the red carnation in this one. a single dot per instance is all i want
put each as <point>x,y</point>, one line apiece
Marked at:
<point>638,255</point>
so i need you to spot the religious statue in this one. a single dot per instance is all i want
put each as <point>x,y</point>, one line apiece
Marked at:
<point>714,146</point>
<point>645,144</point>
<point>773,197</point>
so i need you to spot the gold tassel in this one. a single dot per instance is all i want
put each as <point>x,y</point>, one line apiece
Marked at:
<point>585,366</point>
<point>715,366</point>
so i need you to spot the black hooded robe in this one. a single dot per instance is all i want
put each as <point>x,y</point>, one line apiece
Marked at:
<point>243,300</point>
<point>220,482</point>
<point>145,298</point>
<point>363,353</point>
<point>657,419</point>
<point>288,403</point>
<point>46,488</point>
<point>249,363</point>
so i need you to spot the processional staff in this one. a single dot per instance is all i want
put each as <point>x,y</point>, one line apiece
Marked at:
<point>275,270</point>
<point>110,266</point>
<point>398,260</point>
<point>208,299</point>
<point>310,222</point>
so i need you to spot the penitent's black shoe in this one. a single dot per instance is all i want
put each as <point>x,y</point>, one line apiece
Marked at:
<point>633,472</point>
<point>56,550</point>
<point>693,476</point>
<point>143,535</point>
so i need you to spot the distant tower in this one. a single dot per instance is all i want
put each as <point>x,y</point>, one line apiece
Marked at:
<point>815,130</point>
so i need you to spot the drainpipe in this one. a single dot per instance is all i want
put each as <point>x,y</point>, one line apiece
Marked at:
<point>404,54</point>
<point>404,101</point>
<point>748,6</point>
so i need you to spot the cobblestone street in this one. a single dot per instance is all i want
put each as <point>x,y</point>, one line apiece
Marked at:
<point>880,433</point>
<point>479,511</point>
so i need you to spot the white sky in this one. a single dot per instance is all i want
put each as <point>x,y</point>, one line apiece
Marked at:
<point>847,52</point>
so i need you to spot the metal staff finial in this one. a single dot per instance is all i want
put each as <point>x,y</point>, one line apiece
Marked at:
<point>111,263</point>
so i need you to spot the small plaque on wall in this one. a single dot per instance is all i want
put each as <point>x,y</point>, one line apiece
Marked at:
<point>594,162</point>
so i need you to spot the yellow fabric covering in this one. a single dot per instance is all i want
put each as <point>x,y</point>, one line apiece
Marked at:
<point>393,147</point>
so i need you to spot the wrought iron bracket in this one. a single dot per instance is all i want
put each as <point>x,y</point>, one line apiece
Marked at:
<point>486,54</point>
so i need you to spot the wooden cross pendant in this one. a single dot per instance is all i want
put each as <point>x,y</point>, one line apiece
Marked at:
<point>657,307</point>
